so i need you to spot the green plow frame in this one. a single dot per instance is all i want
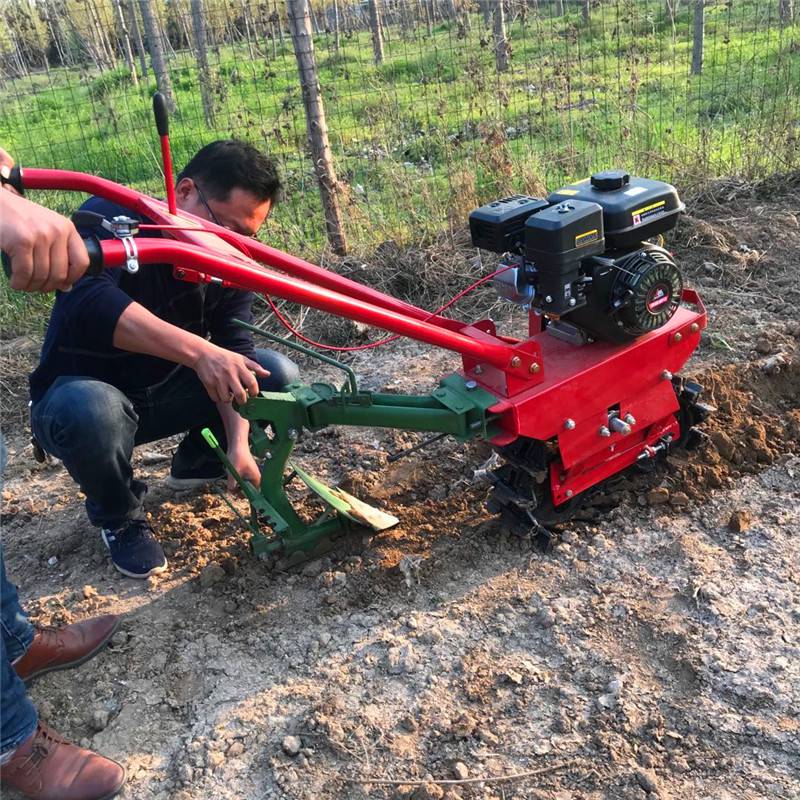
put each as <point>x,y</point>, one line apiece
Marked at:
<point>278,420</point>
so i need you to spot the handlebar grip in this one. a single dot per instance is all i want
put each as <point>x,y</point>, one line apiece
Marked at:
<point>161,114</point>
<point>14,180</point>
<point>93,248</point>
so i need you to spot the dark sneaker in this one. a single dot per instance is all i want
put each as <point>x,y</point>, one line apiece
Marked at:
<point>134,549</point>
<point>194,464</point>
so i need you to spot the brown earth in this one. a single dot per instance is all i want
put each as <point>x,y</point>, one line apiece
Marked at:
<point>654,653</point>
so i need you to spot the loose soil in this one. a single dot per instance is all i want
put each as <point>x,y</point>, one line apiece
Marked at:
<point>653,653</point>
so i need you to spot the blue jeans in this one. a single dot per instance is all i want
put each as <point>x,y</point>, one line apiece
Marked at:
<point>17,714</point>
<point>93,427</point>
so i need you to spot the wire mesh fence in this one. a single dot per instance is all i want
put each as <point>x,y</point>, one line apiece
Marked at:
<point>432,106</point>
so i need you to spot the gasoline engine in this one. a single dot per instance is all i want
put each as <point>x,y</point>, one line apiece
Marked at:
<point>582,258</point>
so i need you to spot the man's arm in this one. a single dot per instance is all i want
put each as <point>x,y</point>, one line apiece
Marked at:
<point>227,376</point>
<point>44,248</point>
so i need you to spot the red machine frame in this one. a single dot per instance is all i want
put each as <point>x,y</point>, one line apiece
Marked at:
<point>546,389</point>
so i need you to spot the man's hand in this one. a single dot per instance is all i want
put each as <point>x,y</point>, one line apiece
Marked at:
<point>45,250</point>
<point>243,462</point>
<point>227,376</point>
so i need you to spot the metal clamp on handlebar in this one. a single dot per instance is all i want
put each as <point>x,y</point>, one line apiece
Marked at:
<point>122,228</point>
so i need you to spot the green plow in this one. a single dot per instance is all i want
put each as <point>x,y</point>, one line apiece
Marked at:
<point>279,419</point>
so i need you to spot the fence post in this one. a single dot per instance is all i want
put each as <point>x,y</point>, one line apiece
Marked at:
<point>698,36</point>
<point>300,27</point>
<point>377,33</point>
<point>786,9</point>
<point>201,51</point>
<point>500,38</point>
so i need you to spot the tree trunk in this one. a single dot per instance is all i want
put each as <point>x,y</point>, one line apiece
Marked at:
<point>486,10</point>
<point>336,35</point>
<point>105,53</point>
<point>201,54</point>
<point>127,50</point>
<point>559,8</point>
<point>129,9</point>
<point>586,10</point>
<point>500,40</point>
<point>300,26</point>
<point>698,36</point>
<point>377,33</point>
<point>152,32</point>
<point>786,10</point>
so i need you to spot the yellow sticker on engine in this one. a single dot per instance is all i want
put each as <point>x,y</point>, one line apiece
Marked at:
<point>643,214</point>
<point>582,239</point>
<point>570,192</point>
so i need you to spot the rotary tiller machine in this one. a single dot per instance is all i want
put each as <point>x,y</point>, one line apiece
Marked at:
<point>592,390</point>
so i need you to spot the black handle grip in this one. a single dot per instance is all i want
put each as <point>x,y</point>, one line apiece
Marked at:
<point>14,180</point>
<point>93,248</point>
<point>161,114</point>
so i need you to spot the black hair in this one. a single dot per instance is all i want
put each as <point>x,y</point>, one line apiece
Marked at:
<point>228,164</point>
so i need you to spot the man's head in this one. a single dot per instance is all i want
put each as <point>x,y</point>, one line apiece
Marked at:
<point>231,183</point>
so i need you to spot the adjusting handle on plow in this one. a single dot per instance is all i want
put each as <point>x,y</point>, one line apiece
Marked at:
<point>212,442</point>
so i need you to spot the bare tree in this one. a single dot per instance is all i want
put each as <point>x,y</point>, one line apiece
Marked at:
<point>501,49</point>
<point>786,10</point>
<point>201,53</point>
<point>152,32</point>
<point>671,8</point>
<point>300,26</point>
<point>337,42</point>
<point>586,10</point>
<point>698,36</point>
<point>559,8</point>
<point>129,9</point>
<point>377,32</point>
<point>125,38</point>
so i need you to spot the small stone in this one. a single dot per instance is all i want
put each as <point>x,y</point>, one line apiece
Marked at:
<point>764,347</point>
<point>212,573</point>
<point>185,774</point>
<point>150,457</point>
<point>236,749</point>
<point>546,618</point>
<point>313,568</point>
<point>214,758</point>
<point>89,592</point>
<point>52,561</point>
<point>99,719</point>
<point>568,537</point>
<point>679,499</point>
<point>658,496</point>
<point>119,639</point>
<point>463,726</point>
<point>724,444</point>
<point>608,701</point>
<point>460,771</point>
<point>400,660</point>
<point>740,520</point>
<point>615,686</point>
<point>428,791</point>
<point>647,780</point>
<point>291,745</point>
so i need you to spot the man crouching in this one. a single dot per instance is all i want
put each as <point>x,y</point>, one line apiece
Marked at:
<point>132,358</point>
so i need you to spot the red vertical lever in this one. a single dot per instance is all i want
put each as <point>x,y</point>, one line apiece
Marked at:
<point>162,126</point>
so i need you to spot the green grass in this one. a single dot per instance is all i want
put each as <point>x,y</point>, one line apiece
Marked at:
<point>435,128</point>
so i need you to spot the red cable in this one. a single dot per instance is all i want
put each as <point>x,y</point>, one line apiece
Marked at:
<point>286,324</point>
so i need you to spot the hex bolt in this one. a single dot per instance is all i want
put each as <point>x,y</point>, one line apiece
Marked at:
<point>666,375</point>
<point>478,369</point>
<point>292,434</point>
<point>569,424</point>
<point>548,299</point>
<point>569,492</point>
<point>571,301</point>
<point>604,432</point>
<point>516,361</point>
<point>694,327</point>
<point>678,337</point>
<point>630,419</point>
<point>268,456</point>
<point>471,384</point>
<point>618,426</point>
<point>534,368</point>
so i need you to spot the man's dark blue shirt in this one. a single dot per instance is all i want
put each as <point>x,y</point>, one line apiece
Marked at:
<point>79,338</point>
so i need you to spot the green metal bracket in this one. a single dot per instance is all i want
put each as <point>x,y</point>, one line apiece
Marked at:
<point>278,419</point>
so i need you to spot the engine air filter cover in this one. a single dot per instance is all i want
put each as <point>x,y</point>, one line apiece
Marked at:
<point>634,209</point>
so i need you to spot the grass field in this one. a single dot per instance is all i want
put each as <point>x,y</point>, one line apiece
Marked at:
<point>436,129</point>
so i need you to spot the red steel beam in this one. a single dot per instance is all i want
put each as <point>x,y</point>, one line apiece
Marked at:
<point>236,270</point>
<point>157,211</point>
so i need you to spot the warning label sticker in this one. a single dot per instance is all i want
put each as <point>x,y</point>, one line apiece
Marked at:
<point>582,239</point>
<point>648,212</point>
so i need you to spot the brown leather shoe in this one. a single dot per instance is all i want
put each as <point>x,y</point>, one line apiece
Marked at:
<point>63,648</point>
<point>47,767</point>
